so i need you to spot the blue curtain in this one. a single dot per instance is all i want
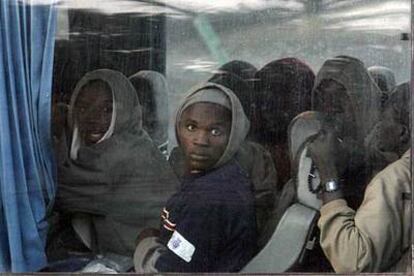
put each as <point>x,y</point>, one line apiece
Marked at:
<point>26,160</point>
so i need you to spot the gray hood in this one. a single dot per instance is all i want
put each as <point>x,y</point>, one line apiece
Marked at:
<point>240,124</point>
<point>122,182</point>
<point>361,89</point>
<point>127,108</point>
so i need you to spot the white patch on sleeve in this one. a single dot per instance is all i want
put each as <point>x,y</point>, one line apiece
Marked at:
<point>181,247</point>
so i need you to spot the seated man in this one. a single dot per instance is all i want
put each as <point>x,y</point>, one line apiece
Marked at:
<point>210,224</point>
<point>346,93</point>
<point>376,236</point>
<point>111,174</point>
<point>390,137</point>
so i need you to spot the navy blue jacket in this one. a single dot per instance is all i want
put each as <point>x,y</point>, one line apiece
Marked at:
<point>213,211</point>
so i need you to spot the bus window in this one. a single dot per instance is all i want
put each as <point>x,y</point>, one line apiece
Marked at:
<point>291,104</point>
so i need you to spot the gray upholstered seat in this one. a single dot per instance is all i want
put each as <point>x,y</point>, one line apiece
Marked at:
<point>294,234</point>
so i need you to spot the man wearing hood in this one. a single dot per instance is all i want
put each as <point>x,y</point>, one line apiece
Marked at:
<point>390,137</point>
<point>349,97</point>
<point>112,176</point>
<point>375,235</point>
<point>210,224</point>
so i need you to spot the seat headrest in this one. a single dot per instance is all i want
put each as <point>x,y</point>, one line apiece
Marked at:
<point>302,128</point>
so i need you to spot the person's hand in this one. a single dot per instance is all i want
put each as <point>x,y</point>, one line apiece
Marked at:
<point>146,233</point>
<point>327,154</point>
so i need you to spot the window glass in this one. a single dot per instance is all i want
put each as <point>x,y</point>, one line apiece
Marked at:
<point>306,102</point>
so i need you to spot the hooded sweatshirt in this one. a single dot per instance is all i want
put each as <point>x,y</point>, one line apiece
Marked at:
<point>365,99</point>
<point>362,91</point>
<point>152,90</point>
<point>252,157</point>
<point>210,224</point>
<point>122,181</point>
<point>240,124</point>
<point>390,137</point>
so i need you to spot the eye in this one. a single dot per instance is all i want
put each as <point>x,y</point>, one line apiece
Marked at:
<point>190,127</point>
<point>215,132</point>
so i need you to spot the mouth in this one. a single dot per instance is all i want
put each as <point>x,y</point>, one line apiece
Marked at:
<point>199,157</point>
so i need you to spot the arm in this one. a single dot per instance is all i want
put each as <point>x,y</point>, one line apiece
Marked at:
<point>369,239</point>
<point>146,255</point>
<point>221,231</point>
<point>330,158</point>
<point>196,225</point>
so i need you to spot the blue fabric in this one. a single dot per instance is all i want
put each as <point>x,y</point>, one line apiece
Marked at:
<point>26,161</point>
<point>215,212</point>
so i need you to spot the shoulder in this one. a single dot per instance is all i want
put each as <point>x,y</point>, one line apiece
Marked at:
<point>396,177</point>
<point>232,176</point>
<point>222,184</point>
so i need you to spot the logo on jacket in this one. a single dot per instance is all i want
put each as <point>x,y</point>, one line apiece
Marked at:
<point>181,247</point>
<point>176,243</point>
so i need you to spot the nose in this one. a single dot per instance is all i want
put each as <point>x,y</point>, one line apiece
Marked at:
<point>201,138</point>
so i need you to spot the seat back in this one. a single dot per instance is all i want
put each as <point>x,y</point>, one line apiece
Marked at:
<point>294,235</point>
<point>288,244</point>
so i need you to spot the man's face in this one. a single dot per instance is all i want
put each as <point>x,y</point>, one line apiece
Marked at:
<point>331,99</point>
<point>203,133</point>
<point>93,111</point>
<point>389,134</point>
